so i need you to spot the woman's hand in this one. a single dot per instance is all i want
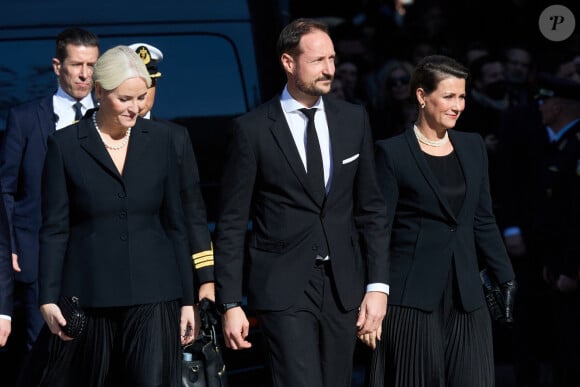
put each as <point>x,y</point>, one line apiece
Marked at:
<point>370,339</point>
<point>189,324</point>
<point>54,319</point>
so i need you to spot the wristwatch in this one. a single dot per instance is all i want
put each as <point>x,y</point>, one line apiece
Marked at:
<point>222,308</point>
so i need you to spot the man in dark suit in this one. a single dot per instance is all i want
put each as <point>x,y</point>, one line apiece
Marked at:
<point>6,278</point>
<point>193,205</point>
<point>542,228</point>
<point>22,153</point>
<point>319,224</point>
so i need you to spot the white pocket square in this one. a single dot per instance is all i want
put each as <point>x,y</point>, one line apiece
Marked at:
<point>350,159</point>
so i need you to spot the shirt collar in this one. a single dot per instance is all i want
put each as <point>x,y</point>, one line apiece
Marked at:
<point>289,104</point>
<point>87,101</point>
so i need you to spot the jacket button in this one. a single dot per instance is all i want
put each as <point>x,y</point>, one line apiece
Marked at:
<point>122,214</point>
<point>452,229</point>
<point>123,236</point>
<point>122,195</point>
<point>314,247</point>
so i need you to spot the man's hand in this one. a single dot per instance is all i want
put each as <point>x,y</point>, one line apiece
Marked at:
<point>15,264</point>
<point>236,328</point>
<point>207,290</point>
<point>371,314</point>
<point>5,328</point>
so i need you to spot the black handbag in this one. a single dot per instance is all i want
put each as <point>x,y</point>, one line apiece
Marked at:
<point>74,315</point>
<point>493,296</point>
<point>499,297</point>
<point>203,364</point>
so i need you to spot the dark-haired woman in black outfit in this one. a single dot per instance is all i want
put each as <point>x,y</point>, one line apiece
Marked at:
<point>438,330</point>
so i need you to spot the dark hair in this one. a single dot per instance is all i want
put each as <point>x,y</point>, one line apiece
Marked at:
<point>290,36</point>
<point>76,37</point>
<point>433,69</point>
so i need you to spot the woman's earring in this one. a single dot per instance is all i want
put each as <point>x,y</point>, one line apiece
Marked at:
<point>423,106</point>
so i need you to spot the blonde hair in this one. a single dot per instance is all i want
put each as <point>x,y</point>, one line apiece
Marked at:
<point>117,65</point>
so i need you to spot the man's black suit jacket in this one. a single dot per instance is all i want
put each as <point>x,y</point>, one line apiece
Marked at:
<point>426,236</point>
<point>22,153</point>
<point>6,271</point>
<point>265,180</point>
<point>107,238</point>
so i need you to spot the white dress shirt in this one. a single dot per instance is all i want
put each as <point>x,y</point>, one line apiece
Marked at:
<point>63,107</point>
<point>298,122</point>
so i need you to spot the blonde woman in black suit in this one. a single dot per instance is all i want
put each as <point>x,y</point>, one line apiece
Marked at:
<point>113,235</point>
<point>438,330</point>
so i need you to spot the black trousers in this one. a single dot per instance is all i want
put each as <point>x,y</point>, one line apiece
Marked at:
<point>444,348</point>
<point>126,346</point>
<point>312,343</point>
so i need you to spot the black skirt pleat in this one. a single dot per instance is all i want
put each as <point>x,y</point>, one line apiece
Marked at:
<point>133,346</point>
<point>444,348</point>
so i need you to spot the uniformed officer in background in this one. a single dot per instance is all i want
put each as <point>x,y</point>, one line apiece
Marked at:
<point>193,204</point>
<point>542,234</point>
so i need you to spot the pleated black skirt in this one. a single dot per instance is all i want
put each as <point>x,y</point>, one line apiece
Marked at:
<point>444,348</point>
<point>127,346</point>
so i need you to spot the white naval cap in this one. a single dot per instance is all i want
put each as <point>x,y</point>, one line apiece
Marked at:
<point>150,55</point>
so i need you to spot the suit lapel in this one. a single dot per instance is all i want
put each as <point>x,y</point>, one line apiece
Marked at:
<point>283,137</point>
<point>138,146</point>
<point>46,118</point>
<point>462,152</point>
<point>426,171</point>
<point>333,119</point>
<point>91,142</point>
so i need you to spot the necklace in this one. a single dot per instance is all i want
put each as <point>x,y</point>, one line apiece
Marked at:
<point>112,147</point>
<point>426,141</point>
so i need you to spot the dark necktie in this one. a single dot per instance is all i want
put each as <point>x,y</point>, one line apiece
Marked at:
<point>314,157</point>
<point>78,112</point>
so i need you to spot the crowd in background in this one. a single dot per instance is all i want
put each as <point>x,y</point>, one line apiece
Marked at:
<point>378,43</point>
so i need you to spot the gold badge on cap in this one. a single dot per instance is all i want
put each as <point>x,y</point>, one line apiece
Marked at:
<point>144,54</point>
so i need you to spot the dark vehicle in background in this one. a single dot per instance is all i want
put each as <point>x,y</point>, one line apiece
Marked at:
<point>212,71</point>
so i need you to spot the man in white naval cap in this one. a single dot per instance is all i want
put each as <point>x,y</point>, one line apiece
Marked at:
<point>151,56</point>
<point>192,200</point>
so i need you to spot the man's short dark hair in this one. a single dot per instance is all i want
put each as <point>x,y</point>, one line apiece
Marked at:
<point>290,36</point>
<point>76,37</point>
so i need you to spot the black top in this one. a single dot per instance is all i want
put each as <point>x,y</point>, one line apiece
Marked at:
<point>448,172</point>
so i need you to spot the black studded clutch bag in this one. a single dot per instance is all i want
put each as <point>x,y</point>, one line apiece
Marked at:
<point>74,315</point>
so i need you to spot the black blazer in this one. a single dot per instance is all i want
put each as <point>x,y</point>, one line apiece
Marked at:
<point>265,178</point>
<point>113,240</point>
<point>426,236</point>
